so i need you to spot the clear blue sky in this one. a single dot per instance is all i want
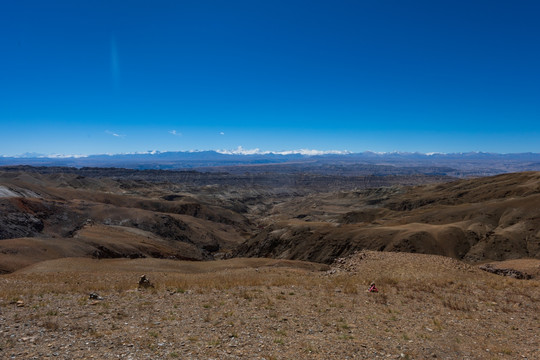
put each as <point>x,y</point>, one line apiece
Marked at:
<point>92,77</point>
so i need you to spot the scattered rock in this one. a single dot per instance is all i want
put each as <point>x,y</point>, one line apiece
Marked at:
<point>516,274</point>
<point>95,296</point>
<point>144,282</point>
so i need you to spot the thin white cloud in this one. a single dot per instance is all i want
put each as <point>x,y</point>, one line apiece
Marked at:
<point>114,134</point>
<point>314,152</point>
<point>241,151</point>
<point>221,133</point>
<point>64,156</point>
<point>175,133</point>
<point>310,152</point>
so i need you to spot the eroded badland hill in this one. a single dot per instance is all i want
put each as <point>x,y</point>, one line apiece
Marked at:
<point>115,213</point>
<point>48,213</point>
<point>494,218</point>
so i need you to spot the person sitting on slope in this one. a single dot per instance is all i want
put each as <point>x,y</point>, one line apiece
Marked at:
<point>372,288</point>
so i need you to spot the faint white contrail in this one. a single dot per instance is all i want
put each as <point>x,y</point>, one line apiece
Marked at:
<point>115,67</point>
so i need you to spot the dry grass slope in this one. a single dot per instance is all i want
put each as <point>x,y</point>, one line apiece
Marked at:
<point>428,307</point>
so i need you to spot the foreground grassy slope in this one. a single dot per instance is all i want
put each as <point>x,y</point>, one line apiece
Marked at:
<point>428,307</point>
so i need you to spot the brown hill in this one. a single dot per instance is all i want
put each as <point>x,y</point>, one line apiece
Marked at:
<point>51,215</point>
<point>47,216</point>
<point>494,218</point>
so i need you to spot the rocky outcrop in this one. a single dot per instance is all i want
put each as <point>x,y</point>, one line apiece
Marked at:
<point>516,274</point>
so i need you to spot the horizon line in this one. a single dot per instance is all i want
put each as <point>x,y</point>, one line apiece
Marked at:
<point>256,151</point>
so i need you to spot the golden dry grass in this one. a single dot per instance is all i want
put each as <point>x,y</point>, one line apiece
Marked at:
<point>411,276</point>
<point>85,275</point>
<point>426,305</point>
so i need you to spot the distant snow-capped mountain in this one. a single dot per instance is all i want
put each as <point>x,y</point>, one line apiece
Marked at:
<point>463,164</point>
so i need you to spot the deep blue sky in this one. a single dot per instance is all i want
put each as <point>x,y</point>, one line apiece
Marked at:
<point>90,77</point>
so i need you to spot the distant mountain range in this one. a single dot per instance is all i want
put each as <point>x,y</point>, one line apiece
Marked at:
<point>455,164</point>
